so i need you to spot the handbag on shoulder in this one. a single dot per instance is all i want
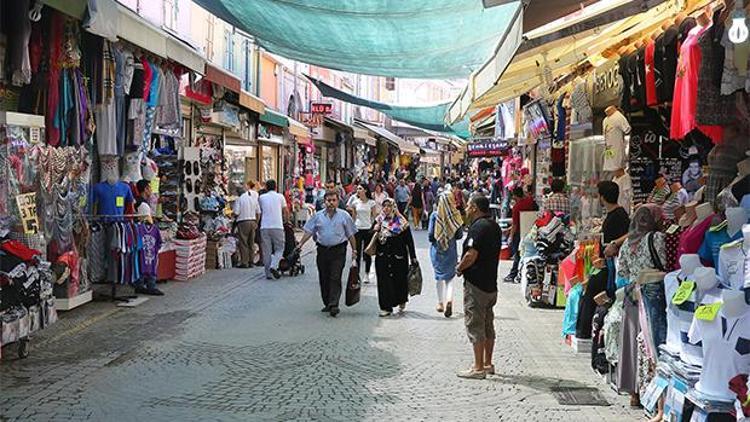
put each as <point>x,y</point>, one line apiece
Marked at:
<point>372,247</point>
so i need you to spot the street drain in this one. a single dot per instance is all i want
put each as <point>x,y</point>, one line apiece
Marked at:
<point>577,396</point>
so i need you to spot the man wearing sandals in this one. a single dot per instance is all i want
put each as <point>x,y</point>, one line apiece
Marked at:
<point>481,253</point>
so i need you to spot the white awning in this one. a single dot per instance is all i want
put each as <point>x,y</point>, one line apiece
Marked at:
<point>362,134</point>
<point>404,146</point>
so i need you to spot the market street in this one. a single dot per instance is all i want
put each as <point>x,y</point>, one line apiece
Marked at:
<point>234,346</point>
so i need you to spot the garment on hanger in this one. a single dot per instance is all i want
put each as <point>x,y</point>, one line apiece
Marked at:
<point>615,127</point>
<point>712,108</point>
<point>686,91</point>
<point>650,73</point>
<point>627,87</point>
<point>639,83</point>
<point>668,53</point>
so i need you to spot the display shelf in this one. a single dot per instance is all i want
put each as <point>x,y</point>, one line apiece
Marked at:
<point>73,302</point>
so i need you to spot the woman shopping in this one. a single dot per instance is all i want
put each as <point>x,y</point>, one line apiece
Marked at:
<point>417,205</point>
<point>443,231</point>
<point>379,195</point>
<point>641,255</point>
<point>394,253</point>
<point>362,208</point>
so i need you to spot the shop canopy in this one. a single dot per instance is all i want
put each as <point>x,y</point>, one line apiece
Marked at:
<point>528,59</point>
<point>426,117</point>
<point>398,38</point>
<point>403,146</point>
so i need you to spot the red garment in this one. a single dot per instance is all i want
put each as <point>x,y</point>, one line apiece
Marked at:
<point>691,239</point>
<point>148,76</point>
<point>19,250</point>
<point>57,28</point>
<point>738,385</point>
<point>651,99</point>
<point>70,259</point>
<point>524,204</point>
<point>686,91</point>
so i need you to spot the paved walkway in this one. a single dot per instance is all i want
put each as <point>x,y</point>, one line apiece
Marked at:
<point>234,346</point>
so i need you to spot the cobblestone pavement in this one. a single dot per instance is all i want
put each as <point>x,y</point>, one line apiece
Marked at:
<point>234,346</point>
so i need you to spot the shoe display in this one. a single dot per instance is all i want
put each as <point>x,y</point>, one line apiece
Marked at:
<point>472,373</point>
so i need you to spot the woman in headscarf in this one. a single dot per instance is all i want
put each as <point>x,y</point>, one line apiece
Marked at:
<point>643,250</point>
<point>443,231</point>
<point>395,253</point>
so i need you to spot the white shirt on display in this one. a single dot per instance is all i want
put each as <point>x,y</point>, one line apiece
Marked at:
<point>731,266</point>
<point>726,350</point>
<point>272,205</point>
<point>615,127</point>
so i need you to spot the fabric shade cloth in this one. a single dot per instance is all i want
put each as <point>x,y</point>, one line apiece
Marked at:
<point>399,38</point>
<point>425,117</point>
<point>223,78</point>
<point>273,118</point>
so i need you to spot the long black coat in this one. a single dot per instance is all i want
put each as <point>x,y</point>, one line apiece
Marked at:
<point>392,269</point>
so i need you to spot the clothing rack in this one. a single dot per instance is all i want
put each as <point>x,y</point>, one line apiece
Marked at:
<point>113,295</point>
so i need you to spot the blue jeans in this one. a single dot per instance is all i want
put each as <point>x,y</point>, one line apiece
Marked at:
<point>655,305</point>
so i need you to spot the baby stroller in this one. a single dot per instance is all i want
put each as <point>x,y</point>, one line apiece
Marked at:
<point>291,261</point>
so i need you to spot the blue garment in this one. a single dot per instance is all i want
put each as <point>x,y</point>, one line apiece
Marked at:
<point>107,197</point>
<point>570,317</point>
<point>655,305</point>
<point>329,231</point>
<point>153,95</point>
<point>443,262</point>
<point>401,193</point>
<point>709,250</point>
<point>561,120</point>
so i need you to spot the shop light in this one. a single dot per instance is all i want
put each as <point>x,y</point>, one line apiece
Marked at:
<point>738,32</point>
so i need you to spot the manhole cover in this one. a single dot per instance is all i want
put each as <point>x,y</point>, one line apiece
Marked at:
<point>575,396</point>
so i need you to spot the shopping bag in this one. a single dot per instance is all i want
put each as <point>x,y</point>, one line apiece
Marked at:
<point>353,287</point>
<point>415,280</point>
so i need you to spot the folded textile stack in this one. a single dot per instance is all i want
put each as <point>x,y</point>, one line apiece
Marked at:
<point>191,258</point>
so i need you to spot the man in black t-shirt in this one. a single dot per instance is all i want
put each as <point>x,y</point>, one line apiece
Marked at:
<point>616,223</point>
<point>481,253</point>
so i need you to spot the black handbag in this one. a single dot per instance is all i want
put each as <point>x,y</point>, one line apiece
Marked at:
<point>353,287</point>
<point>415,280</point>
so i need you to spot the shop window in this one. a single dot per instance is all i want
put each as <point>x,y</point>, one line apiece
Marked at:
<point>247,56</point>
<point>229,50</point>
<point>210,28</point>
<point>170,11</point>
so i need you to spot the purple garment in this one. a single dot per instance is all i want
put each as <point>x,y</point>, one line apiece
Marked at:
<point>151,245</point>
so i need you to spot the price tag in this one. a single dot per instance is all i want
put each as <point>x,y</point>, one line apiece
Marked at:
<point>120,201</point>
<point>609,153</point>
<point>708,312</point>
<point>683,292</point>
<point>34,135</point>
<point>27,210</point>
<point>673,229</point>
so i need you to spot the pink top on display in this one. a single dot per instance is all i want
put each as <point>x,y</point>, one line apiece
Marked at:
<point>692,238</point>
<point>686,91</point>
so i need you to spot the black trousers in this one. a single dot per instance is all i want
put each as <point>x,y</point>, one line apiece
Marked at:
<point>363,237</point>
<point>514,246</point>
<point>331,261</point>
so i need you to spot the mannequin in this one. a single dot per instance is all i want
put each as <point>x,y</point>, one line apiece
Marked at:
<point>705,280</point>
<point>725,338</point>
<point>131,167</point>
<point>615,127</point>
<point>111,196</point>
<point>702,211</point>
<point>736,219</point>
<point>672,281</point>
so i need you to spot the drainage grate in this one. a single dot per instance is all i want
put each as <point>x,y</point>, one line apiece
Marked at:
<point>577,396</point>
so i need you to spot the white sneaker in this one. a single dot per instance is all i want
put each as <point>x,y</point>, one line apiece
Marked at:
<point>366,280</point>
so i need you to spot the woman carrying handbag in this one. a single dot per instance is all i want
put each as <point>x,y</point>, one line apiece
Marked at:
<point>393,247</point>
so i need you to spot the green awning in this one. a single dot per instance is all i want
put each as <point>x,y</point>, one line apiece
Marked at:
<point>273,118</point>
<point>399,38</point>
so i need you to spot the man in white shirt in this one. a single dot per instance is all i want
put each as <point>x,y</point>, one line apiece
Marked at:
<point>273,212</point>
<point>142,208</point>
<point>247,212</point>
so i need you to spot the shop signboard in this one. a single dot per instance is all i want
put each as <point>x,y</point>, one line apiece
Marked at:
<point>27,210</point>
<point>486,148</point>
<point>321,108</point>
<point>606,85</point>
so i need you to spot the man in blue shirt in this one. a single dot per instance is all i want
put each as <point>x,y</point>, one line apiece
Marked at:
<point>402,195</point>
<point>331,229</point>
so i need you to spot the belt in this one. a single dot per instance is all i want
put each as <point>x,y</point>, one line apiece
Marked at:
<point>331,247</point>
